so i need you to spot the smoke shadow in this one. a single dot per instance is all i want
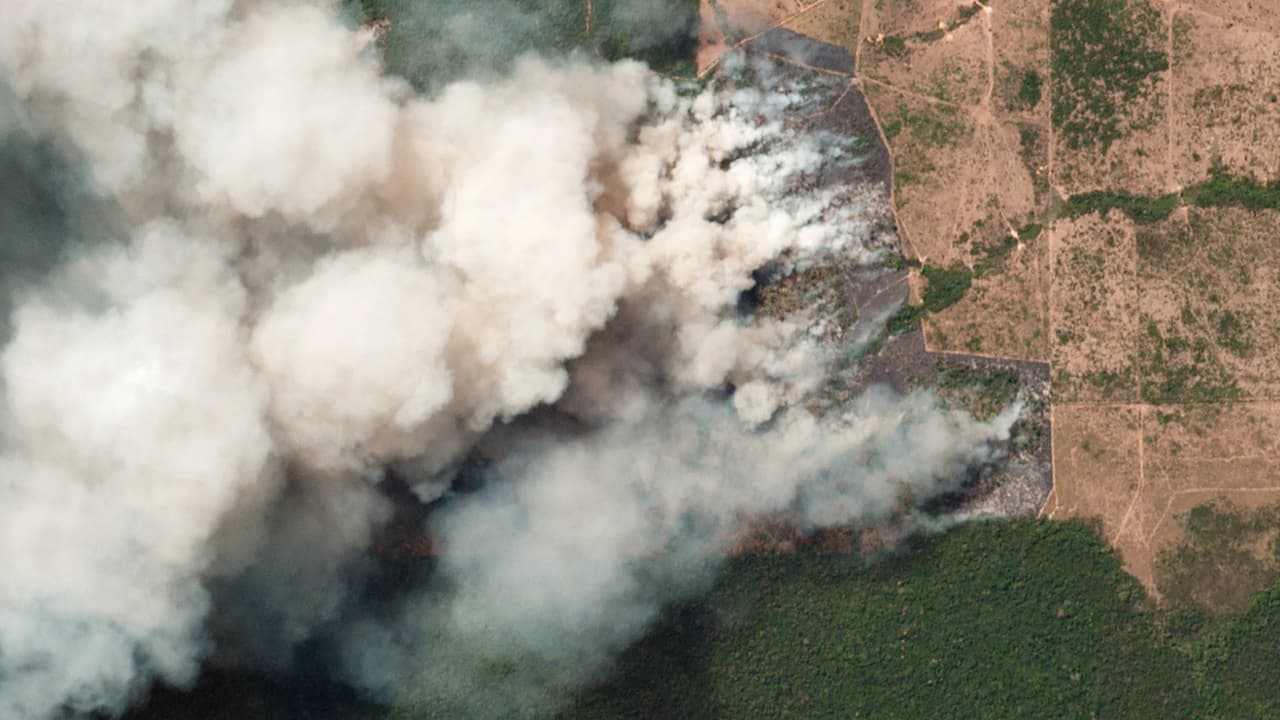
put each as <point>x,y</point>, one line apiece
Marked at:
<point>664,675</point>
<point>243,696</point>
<point>47,205</point>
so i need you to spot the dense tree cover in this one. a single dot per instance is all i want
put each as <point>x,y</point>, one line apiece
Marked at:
<point>1222,189</point>
<point>1022,619</point>
<point>1142,210</point>
<point>431,42</point>
<point>1104,57</point>
<point>945,288</point>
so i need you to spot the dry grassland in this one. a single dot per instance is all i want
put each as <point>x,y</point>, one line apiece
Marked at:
<point>1094,310</point>
<point>1226,100</point>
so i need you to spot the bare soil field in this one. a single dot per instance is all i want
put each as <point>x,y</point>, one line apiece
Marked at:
<point>1226,95</point>
<point>1097,474</point>
<point>1006,311</point>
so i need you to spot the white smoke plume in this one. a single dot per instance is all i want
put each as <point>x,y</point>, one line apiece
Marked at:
<point>322,273</point>
<point>567,558</point>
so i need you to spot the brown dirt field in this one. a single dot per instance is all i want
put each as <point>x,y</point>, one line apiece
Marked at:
<point>936,171</point>
<point>971,165</point>
<point>952,69</point>
<point>893,17</point>
<point>1138,468</point>
<point>1097,474</point>
<point>1257,14</point>
<point>1094,309</point>
<point>1021,44</point>
<point>1226,100</point>
<point>1015,293</point>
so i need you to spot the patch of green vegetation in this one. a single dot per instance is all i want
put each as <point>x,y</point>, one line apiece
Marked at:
<point>984,392</point>
<point>1231,662</point>
<point>892,130</point>
<point>1223,189</point>
<point>901,179</point>
<point>1226,556</point>
<point>1030,88</point>
<point>994,254</point>
<point>1176,369</point>
<point>1159,246</point>
<point>1141,210</point>
<point>967,12</point>
<point>946,286</point>
<point>1207,98</point>
<point>1231,333</point>
<point>1105,55</point>
<point>894,47</point>
<point>1110,383</point>
<point>906,318</point>
<point>899,262</point>
<point>939,126</point>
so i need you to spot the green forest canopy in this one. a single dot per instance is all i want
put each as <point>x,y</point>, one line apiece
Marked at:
<point>1020,619</point>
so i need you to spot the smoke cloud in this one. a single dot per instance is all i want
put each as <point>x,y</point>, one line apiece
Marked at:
<point>262,272</point>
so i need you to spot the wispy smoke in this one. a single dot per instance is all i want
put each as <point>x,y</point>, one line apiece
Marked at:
<point>573,549</point>
<point>321,274</point>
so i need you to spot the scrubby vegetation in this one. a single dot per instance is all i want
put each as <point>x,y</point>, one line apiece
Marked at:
<point>1160,246</point>
<point>1226,556</point>
<point>1177,368</point>
<point>1022,619</point>
<point>939,127</point>
<point>1030,88</point>
<point>983,391</point>
<point>945,288</point>
<point>895,47</point>
<point>907,317</point>
<point>1105,57</point>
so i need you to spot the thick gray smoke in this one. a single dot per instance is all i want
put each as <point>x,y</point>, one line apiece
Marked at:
<point>323,274</point>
